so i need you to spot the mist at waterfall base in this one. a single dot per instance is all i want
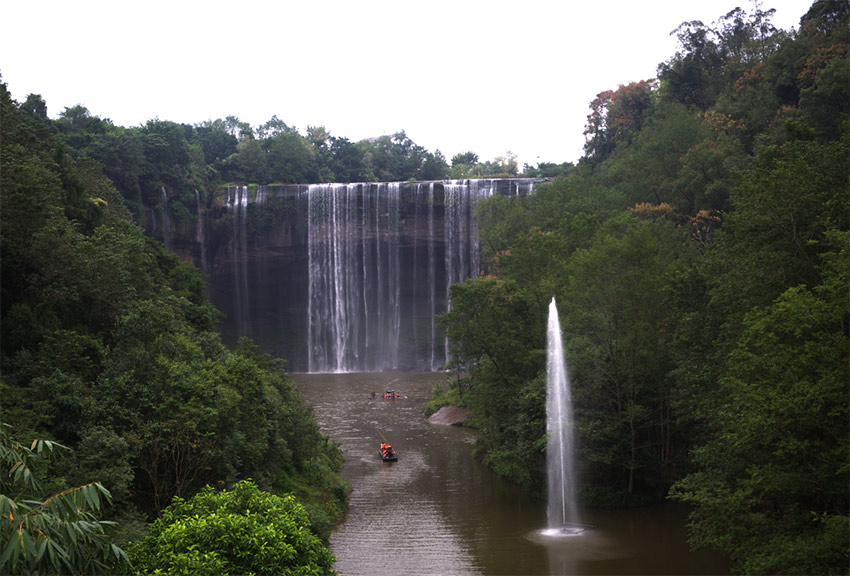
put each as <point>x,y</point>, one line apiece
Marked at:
<point>562,512</point>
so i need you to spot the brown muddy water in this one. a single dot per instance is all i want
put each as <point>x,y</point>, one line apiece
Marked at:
<point>437,511</point>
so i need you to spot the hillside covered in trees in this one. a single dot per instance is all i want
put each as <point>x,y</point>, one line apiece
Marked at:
<point>110,357</point>
<point>699,257</point>
<point>698,252</point>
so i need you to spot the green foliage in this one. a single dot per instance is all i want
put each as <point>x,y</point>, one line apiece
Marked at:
<point>615,117</point>
<point>698,254</point>
<point>42,532</point>
<point>494,330</point>
<point>441,398</point>
<point>238,531</point>
<point>616,306</point>
<point>771,489</point>
<point>108,341</point>
<point>782,209</point>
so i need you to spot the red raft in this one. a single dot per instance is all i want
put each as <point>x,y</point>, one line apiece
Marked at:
<point>387,453</point>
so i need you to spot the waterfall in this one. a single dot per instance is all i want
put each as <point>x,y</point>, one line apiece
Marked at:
<point>432,282</point>
<point>238,204</point>
<point>342,277</point>
<point>200,239</point>
<point>380,269</point>
<point>562,512</point>
<point>166,220</point>
<point>354,277</point>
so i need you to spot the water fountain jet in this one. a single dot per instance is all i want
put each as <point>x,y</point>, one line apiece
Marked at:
<point>562,512</point>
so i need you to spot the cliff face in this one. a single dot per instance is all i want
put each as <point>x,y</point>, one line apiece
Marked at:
<point>333,277</point>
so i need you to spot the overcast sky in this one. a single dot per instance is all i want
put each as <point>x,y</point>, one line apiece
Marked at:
<point>456,76</point>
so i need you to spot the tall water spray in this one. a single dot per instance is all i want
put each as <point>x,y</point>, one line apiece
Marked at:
<point>562,512</point>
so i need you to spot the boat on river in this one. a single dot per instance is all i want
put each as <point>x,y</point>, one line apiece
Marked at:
<point>392,395</point>
<point>387,453</point>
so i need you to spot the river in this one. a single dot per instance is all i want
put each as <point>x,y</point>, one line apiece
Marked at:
<point>439,511</point>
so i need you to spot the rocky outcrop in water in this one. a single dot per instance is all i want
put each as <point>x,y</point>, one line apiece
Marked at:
<point>449,416</point>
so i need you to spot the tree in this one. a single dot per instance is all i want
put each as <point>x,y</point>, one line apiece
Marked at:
<point>616,308</point>
<point>289,158</point>
<point>616,116</point>
<point>35,106</point>
<point>466,158</point>
<point>238,531</point>
<point>465,165</point>
<point>434,167</point>
<point>497,332</point>
<point>50,533</point>
<point>782,209</point>
<point>692,76</point>
<point>216,142</point>
<point>348,164</point>
<point>771,485</point>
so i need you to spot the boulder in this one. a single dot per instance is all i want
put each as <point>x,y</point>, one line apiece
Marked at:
<point>449,416</point>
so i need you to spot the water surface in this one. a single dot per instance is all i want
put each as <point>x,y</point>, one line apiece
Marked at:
<point>438,511</point>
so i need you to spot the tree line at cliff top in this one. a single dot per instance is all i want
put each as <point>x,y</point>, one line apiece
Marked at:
<point>699,257</point>
<point>183,158</point>
<point>698,252</point>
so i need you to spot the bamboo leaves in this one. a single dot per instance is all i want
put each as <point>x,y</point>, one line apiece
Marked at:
<point>49,534</point>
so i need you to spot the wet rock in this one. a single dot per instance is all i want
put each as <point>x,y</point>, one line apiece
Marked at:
<point>449,416</point>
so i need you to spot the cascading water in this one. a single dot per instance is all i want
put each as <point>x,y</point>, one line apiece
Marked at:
<point>562,512</point>
<point>346,277</point>
<point>238,204</point>
<point>166,219</point>
<point>200,239</point>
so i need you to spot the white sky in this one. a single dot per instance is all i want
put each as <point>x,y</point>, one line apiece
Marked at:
<point>456,75</point>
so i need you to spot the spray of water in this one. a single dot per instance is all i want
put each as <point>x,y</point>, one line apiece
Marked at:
<point>562,512</point>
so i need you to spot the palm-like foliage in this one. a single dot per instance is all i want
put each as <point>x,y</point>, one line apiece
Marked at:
<point>43,533</point>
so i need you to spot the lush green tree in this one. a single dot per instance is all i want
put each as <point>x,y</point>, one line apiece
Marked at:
<point>394,158</point>
<point>692,75</point>
<point>272,128</point>
<point>349,164</point>
<point>771,488</point>
<point>547,170</point>
<point>238,531</point>
<point>647,170</point>
<point>249,162</point>
<point>239,129</point>
<point>108,345</point>
<point>465,158</point>
<point>464,165</point>
<point>783,207</point>
<point>504,356</point>
<point>289,158</point>
<point>217,143</point>
<point>35,106</point>
<point>434,167</point>
<point>47,532</point>
<point>616,308</point>
<point>615,117</point>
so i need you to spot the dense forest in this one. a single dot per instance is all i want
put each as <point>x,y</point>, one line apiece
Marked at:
<point>699,256</point>
<point>116,388</point>
<point>698,252</point>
